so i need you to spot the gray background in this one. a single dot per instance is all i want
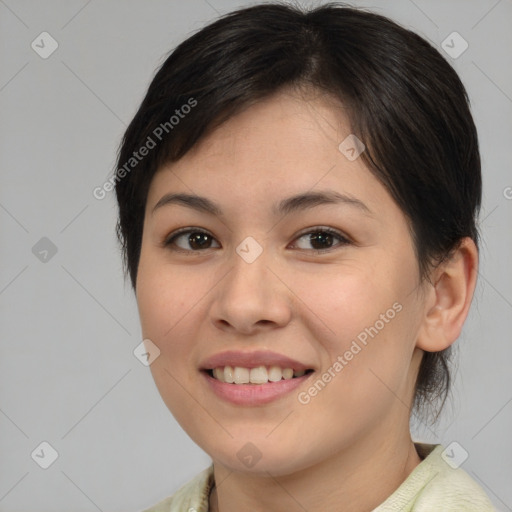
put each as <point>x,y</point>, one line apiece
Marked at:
<point>69,324</point>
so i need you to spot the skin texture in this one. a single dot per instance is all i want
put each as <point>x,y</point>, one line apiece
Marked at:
<point>349,448</point>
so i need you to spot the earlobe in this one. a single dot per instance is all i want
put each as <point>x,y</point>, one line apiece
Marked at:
<point>449,299</point>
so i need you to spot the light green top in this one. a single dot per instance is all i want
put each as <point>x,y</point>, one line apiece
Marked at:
<point>432,486</point>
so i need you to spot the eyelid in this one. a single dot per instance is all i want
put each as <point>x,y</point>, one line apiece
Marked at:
<point>168,240</point>
<point>188,229</point>
<point>344,239</point>
<point>315,229</point>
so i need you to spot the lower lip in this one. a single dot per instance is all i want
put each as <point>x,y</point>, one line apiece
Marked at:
<point>254,394</point>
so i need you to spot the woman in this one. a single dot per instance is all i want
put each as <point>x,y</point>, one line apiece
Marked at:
<point>297,200</point>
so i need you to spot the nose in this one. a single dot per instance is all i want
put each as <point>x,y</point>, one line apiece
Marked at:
<point>251,298</point>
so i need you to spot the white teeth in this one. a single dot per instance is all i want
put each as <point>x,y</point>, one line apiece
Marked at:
<point>275,374</point>
<point>228,374</point>
<point>218,373</point>
<point>287,373</point>
<point>258,375</point>
<point>241,375</point>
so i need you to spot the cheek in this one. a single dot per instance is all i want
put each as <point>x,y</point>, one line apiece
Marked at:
<point>164,296</point>
<point>165,302</point>
<point>345,300</point>
<point>168,302</point>
<point>366,319</point>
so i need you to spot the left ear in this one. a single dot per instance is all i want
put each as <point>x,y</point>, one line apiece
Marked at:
<point>449,298</point>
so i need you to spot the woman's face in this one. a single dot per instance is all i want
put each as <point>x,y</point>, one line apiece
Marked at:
<point>291,256</point>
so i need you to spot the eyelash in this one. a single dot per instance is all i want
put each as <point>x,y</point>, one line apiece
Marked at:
<point>342,239</point>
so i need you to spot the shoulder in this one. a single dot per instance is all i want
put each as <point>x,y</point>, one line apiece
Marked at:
<point>435,484</point>
<point>193,496</point>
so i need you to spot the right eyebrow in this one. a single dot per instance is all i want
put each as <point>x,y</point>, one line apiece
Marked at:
<point>192,201</point>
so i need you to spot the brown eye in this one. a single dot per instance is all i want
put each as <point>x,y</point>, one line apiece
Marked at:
<point>191,240</point>
<point>321,240</point>
<point>199,241</point>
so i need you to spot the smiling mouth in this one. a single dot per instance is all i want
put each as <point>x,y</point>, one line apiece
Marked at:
<point>254,376</point>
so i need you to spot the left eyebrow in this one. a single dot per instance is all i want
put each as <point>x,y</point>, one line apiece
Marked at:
<point>312,199</point>
<point>291,204</point>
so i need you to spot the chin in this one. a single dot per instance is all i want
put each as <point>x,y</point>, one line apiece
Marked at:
<point>262,458</point>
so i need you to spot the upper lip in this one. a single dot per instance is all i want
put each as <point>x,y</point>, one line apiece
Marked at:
<point>251,360</point>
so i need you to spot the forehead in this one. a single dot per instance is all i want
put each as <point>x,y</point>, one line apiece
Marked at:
<point>286,144</point>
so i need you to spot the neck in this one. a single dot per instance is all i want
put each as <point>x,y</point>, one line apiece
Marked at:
<point>353,480</point>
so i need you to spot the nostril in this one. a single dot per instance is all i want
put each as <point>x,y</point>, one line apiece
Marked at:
<point>264,322</point>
